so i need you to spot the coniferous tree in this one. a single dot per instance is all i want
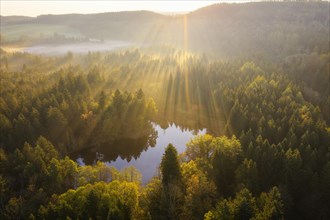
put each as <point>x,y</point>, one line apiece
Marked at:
<point>170,167</point>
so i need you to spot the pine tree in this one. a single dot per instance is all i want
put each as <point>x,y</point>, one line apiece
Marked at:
<point>170,167</point>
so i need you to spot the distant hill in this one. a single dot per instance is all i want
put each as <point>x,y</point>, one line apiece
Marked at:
<point>275,28</point>
<point>11,20</point>
<point>269,29</point>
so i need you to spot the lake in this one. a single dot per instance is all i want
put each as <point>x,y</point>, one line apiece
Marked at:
<point>149,159</point>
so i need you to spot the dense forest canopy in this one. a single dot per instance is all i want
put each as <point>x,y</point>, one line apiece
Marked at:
<point>255,75</point>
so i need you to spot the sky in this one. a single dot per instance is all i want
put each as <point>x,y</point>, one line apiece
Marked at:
<point>35,8</point>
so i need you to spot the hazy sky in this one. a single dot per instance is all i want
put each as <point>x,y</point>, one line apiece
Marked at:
<point>34,8</point>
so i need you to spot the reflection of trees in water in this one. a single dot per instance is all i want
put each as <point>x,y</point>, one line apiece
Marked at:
<point>191,122</point>
<point>125,148</point>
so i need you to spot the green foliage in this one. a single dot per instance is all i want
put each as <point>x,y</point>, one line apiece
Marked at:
<point>115,200</point>
<point>247,176</point>
<point>35,175</point>
<point>200,147</point>
<point>200,191</point>
<point>151,199</point>
<point>225,161</point>
<point>271,92</point>
<point>127,116</point>
<point>245,206</point>
<point>170,167</point>
<point>271,206</point>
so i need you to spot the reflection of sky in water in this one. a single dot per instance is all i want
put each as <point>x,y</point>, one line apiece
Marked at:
<point>149,160</point>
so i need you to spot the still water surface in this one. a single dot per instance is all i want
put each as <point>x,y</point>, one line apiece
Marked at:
<point>148,161</point>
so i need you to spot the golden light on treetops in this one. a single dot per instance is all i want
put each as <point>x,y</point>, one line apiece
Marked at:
<point>139,112</point>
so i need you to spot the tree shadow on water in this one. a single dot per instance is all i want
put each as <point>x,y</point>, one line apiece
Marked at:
<point>124,148</point>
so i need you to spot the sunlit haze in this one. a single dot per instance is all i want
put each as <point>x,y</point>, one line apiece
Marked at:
<point>35,8</point>
<point>169,109</point>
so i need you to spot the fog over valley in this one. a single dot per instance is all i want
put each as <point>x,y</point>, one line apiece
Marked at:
<point>220,112</point>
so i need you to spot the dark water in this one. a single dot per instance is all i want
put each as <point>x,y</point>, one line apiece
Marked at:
<point>138,152</point>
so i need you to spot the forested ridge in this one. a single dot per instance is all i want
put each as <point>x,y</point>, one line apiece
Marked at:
<point>265,108</point>
<point>267,30</point>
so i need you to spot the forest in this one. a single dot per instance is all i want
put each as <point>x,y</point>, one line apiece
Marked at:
<point>254,75</point>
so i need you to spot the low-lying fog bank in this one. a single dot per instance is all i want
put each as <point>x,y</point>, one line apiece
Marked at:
<point>60,49</point>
